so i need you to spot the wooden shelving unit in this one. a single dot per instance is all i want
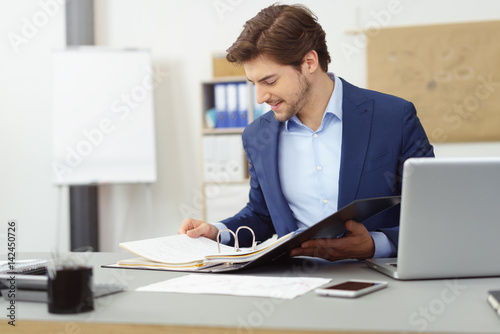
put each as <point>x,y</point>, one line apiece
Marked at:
<point>214,134</point>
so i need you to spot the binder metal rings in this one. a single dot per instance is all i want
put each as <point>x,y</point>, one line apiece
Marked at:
<point>235,235</point>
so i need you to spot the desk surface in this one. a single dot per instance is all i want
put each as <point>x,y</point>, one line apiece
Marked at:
<point>451,306</point>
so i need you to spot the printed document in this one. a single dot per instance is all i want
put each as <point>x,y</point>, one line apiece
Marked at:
<point>239,285</point>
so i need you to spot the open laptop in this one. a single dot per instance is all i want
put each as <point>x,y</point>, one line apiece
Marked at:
<point>450,220</point>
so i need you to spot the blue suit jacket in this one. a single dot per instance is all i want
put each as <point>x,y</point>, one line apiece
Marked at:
<point>379,132</point>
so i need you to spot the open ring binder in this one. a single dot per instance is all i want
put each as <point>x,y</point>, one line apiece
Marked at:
<point>235,235</point>
<point>154,252</point>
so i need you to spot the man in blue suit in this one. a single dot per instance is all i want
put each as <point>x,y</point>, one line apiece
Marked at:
<point>324,144</point>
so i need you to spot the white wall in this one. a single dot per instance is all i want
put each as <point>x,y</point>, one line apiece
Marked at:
<point>29,31</point>
<point>182,36</point>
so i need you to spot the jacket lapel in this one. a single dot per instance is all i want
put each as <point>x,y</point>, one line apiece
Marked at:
<point>266,167</point>
<point>356,127</point>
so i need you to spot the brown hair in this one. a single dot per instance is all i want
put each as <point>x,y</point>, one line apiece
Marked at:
<point>286,33</point>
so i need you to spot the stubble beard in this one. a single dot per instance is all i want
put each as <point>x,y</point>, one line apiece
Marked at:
<point>295,104</point>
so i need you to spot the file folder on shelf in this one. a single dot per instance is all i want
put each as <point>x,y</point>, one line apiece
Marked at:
<point>232,105</point>
<point>220,100</point>
<point>201,254</point>
<point>223,158</point>
<point>242,104</point>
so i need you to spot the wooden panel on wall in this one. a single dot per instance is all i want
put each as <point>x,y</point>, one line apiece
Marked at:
<point>223,68</point>
<point>451,72</point>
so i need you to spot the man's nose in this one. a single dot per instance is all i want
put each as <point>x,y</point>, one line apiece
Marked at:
<point>261,94</point>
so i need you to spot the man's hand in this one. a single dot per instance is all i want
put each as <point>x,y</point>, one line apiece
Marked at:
<point>196,228</point>
<point>356,243</point>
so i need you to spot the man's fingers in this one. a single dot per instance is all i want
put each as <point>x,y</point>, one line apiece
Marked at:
<point>354,244</point>
<point>198,231</point>
<point>186,225</point>
<point>325,248</point>
<point>353,226</point>
<point>193,228</point>
<point>319,243</point>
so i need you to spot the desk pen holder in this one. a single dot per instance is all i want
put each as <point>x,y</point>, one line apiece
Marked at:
<point>70,284</point>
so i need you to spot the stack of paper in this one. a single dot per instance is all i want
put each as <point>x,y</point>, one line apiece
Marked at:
<point>183,252</point>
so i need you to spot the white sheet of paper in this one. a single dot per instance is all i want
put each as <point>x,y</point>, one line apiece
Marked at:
<point>238,285</point>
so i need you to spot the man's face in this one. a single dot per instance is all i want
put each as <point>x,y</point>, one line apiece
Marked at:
<point>281,86</point>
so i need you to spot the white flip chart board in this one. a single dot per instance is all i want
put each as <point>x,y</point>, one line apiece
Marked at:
<point>103,116</point>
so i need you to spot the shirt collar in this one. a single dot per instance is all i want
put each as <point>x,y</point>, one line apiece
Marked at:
<point>334,106</point>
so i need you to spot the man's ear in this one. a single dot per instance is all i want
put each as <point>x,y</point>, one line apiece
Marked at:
<point>311,62</point>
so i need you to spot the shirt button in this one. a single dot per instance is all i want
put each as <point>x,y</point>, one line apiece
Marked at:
<point>315,135</point>
<point>325,201</point>
<point>319,168</point>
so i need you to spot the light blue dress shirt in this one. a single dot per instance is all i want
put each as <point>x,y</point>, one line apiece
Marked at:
<point>309,163</point>
<point>309,167</point>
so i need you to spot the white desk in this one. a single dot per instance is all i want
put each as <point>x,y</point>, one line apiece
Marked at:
<point>450,306</point>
